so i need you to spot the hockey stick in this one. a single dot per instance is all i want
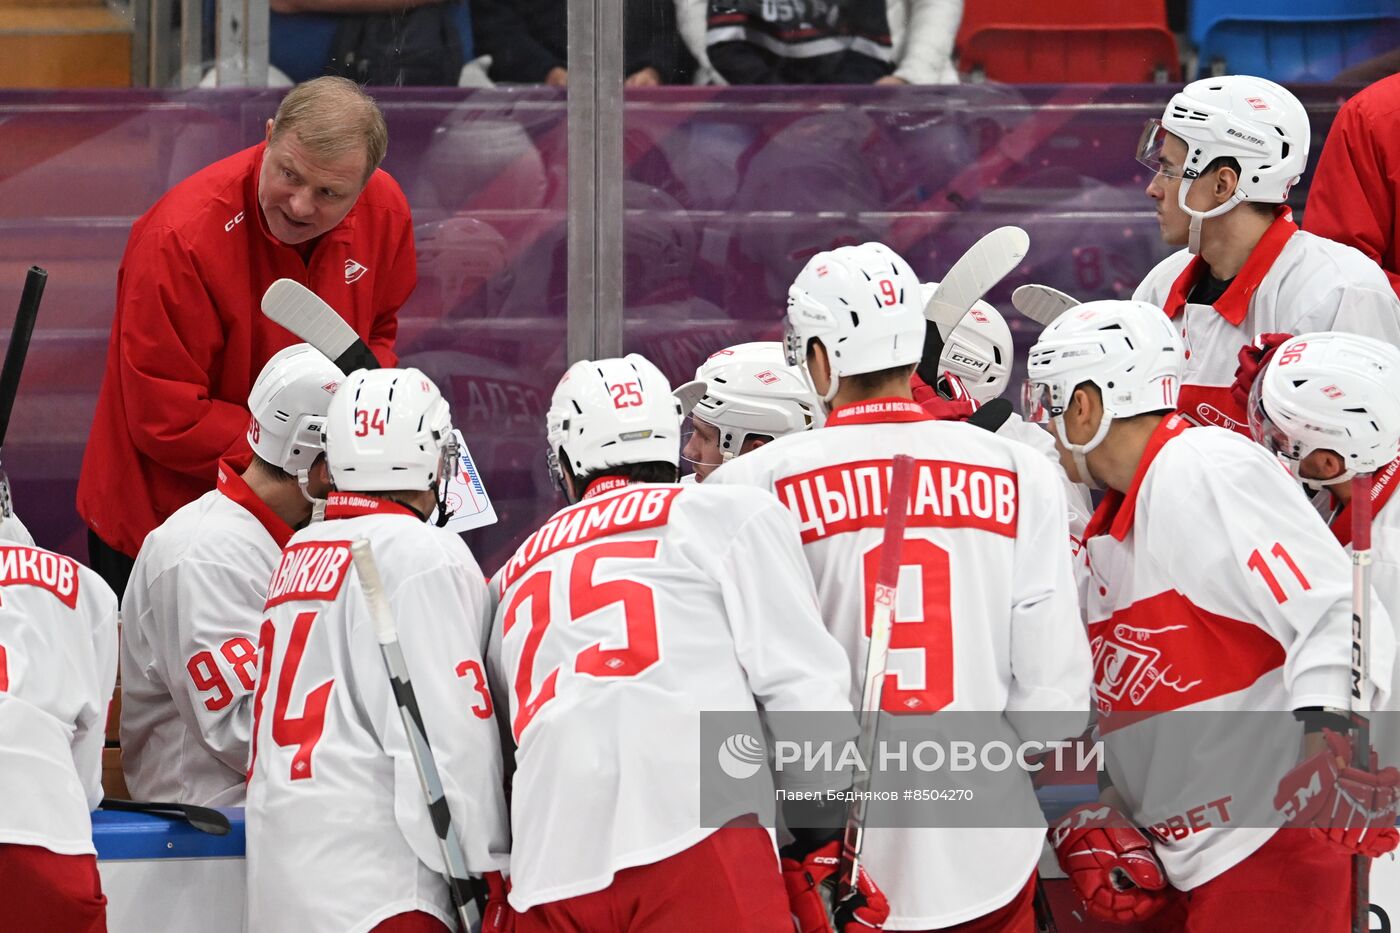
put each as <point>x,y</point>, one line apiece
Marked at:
<point>15,355</point>
<point>204,819</point>
<point>301,311</point>
<point>1041,303</point>
<point>975,273</point>
<point>454,857</point>
<point>1361,485</point>
<point>877,655</point>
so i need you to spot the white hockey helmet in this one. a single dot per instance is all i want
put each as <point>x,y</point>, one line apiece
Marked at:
<point>1253,120</point>
<point>978,351</point>
<point>750,389</point>
<point>1128,349</point>
<point>610,413</point>
<point>288,403</point>
<point>388,430</point>
<point>863,303</point>
<point>1329,391</point>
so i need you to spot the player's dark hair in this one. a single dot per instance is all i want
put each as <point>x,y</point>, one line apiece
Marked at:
<point>271,471</point>
<point>872,382</point>
<point>653,471</point>
<point>1230,162</point>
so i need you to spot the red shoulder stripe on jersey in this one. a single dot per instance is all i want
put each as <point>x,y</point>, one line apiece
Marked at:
<point>310,570</point>
<point>237,490</point>
<point>851,496</point>
<point>353,505</point>
<point>1164,652</point>
<point>635,509</point>
<point>30,566</point>
<point>878,411</point>
<point>1115,513</point>
<point>1234,304</point>
<point>1382,488</point>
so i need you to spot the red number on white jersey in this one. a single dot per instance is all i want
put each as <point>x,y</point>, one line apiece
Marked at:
<point>243,658</point>
<point>639,652</point>
<point>365,421</point>
<point>626,394</point>
<point>205,673</point>
<point>931,635</point>
<point>1259,563</point>
<point>305,730</point>
<point>4,670</point>
<point>887,289</point>
<point>482,710</point>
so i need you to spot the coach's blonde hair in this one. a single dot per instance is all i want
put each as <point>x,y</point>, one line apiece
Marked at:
<point>330,117</point>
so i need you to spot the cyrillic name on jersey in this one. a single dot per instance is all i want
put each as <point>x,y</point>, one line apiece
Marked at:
<point>634,510</point>
<point>310,570</point>
<point>27,566</point>
<point>851,496</point>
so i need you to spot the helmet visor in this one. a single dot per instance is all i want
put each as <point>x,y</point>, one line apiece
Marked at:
<point>700,443</point>
<point>1149,151</point>
<point>1035,402</point>
<point>1262,428</point>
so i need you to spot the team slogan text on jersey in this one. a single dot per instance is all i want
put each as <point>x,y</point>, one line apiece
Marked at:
<point>311,570</point>
<point>27,566</point>
<point>852,496</point>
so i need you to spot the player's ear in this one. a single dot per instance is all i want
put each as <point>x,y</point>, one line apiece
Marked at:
<point>1323,464</point>
<point>1226,180</point>
<point>268,130</point>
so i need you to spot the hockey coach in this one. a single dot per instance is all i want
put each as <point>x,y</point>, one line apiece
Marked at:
<point>308,203</point>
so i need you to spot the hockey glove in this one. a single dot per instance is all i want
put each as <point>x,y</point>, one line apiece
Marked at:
<point>1253,358</point>
<point>498,917</point>
<point>865,909</point>
<point>1110,862</point>
<point>955,405</point>
<point>1347,806</point>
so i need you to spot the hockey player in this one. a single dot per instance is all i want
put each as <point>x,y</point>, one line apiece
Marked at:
<point>742,397</point>
<point>1213,588</point>
<point>339,835</point>
<point>1226,152</point>
<point>637,606</point>
<point>58,662</point>
<point>994,625</point>
<point>195,599</point>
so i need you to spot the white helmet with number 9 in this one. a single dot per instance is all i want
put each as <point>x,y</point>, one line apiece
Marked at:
<point>1129,350</point>
<point>863,303</point>
<point>1329,391</point>
<point>979,351</point>
<point>390,430</point>
<point>610,413</point>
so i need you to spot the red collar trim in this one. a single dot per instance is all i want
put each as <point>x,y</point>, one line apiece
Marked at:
<point>1115,513</point>
<point>1234,304</point>
<point>1382,488</point>
<point>236,490</point>
<point>607,484</point>
<point>878,411</point>
<point>353,505</point>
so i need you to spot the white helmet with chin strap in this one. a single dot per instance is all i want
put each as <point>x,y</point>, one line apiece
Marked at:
<point>978,351</point>
<point>610,413</point>
<point>864,304</point>
<point>390,430</point>
<point>288,403</point>
<point>1258,123</point>
<point>1128,349</point>
<point>748,390</point>
<point>1329,391</point>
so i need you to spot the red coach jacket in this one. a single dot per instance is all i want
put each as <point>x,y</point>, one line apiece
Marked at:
<point>1356,188</point>
<point>189,336</point>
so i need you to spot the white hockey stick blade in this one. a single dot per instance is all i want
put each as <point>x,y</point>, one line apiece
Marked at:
<point>1041,303</point>
<point>373,587</point>
<point>972,276</point>
<point>304,313</point>
<point>466,494</point>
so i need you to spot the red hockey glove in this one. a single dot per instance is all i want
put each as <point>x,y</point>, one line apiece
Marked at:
<point>957,405</point>
<point>1110,862</point>
<point>866,908</point>
<point>1352,808</point>
<point>498,917</point>
<point>1253,358</point>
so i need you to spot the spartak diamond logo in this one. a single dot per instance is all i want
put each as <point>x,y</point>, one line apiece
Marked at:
<point>766,377</point>
<point>1332,392</point>
<point>1257,103</point>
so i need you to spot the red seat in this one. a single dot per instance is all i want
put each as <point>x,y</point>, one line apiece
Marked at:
<point>1089,41</point>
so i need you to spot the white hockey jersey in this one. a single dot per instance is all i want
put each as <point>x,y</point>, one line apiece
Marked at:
<point>1293,282</point>
<point>58,662</point>
<point>617,622</point>
<point>191,615</point>
<point>13,531</point>
<point>997,627</point>
<point>339,836</point>
<point>1079,507</point>
<point>1214,588</point>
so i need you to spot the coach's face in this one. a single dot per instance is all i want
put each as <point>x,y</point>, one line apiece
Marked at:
<point>303,196</point>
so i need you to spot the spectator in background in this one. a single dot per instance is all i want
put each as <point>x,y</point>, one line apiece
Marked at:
<point>821,41</point>
<point>528,41</point>
<point>1357,181</point>
<point>188,337</point>
<point>303,35</point>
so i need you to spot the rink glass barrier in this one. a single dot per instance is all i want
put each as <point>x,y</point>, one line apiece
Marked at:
<point>728,192</point>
